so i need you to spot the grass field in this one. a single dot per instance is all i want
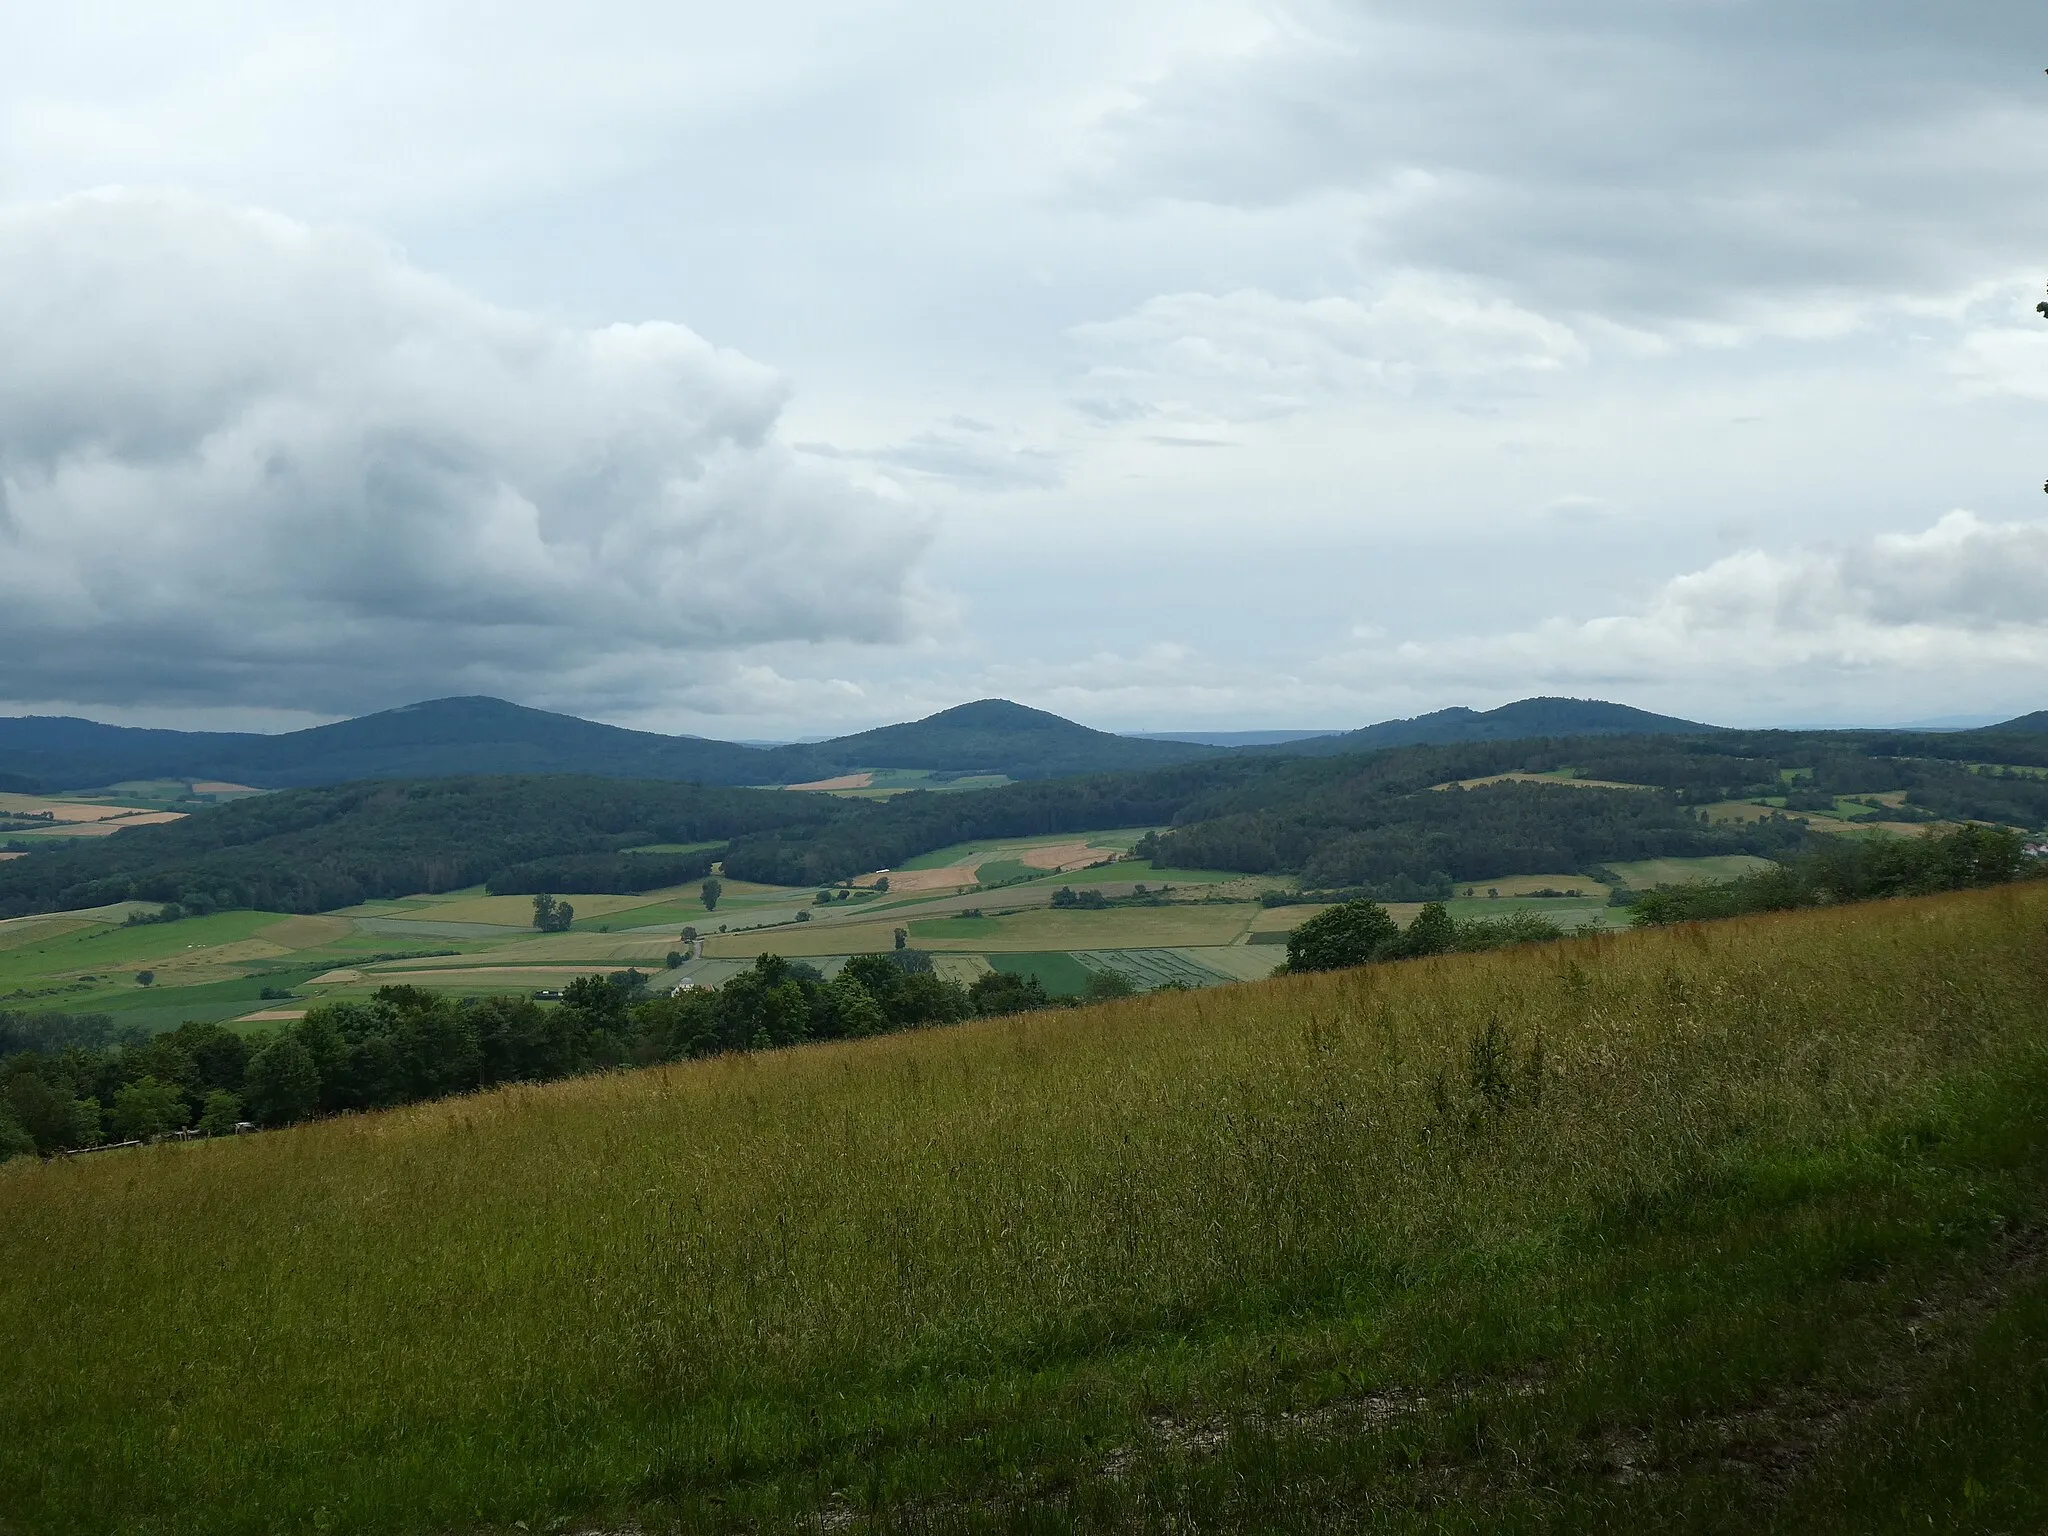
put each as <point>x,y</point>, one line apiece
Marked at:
<point>1057,971</point>
<point>1728,1228</point>
<point>972,854</point>
<point>1523,885</point>
<point>1647,874</point>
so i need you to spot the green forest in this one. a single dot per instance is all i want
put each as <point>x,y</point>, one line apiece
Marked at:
<point>1378,820</point>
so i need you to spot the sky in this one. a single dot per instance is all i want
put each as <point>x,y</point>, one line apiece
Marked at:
<point>793,368</point>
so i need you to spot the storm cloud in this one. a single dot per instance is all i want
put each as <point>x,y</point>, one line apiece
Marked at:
<point>247,460</point>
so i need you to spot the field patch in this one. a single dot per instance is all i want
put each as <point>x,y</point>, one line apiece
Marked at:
<point>62,810</point>
<point>307,932</point>
<point>843,781</point>
<point>1562,780</point>
<point>1057,971</point>
<point>1647,874</point>
<point>1568,886</point>
<point>101,826</point>
<point>1149,968</point>
<point>1243,962</point>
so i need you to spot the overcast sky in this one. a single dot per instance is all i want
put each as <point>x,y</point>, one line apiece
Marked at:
<point>795,367</point>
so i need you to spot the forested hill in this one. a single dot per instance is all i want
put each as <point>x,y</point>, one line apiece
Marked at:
<point>990,734</point>
<point>1375,820</point>
<point>1379,818</point>
<point>1522,720</point>
<point>483,735</point>
<point>311,850</point>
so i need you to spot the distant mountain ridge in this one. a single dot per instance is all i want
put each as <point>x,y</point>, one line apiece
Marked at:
<point>1522,720</point>
<point>439,738</point>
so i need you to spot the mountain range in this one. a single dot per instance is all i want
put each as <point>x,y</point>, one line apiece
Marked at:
<point>442,737</point>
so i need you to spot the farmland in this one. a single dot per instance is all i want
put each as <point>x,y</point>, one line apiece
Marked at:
<point>1727,1228</point>
<point>465,942</point>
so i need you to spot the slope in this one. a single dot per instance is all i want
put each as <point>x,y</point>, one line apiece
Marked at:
<point>1734,1229</point>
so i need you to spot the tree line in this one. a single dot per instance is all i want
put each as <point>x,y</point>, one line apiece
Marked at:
<point>1839,869</point>
<point>312,850</point>
<point>65,1085</point>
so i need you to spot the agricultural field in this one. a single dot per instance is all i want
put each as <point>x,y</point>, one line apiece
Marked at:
<point>217,968</point>
<point>881,783</point>
<point>1560,776</point>
<point>1729,1229</point>
<point>1648,874</point>
<point>30,818</point>
<point>1212,930</point>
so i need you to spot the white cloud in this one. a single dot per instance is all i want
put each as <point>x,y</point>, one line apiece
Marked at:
<point>1960,608</point>
<point>1250,355</point>
<point>246,460</point>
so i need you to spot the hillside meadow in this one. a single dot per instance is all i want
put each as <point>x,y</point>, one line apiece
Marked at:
<point>1723,1227</point>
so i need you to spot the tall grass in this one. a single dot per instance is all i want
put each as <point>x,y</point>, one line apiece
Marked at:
<point>974,1259</point>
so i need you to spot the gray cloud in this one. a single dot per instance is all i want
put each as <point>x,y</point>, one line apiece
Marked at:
<point>1693,158</point>
<point>243,459</point>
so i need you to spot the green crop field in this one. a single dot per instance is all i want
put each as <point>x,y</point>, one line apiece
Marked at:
<point>1730,1228</point>
<point>1057,971</point>
<point>1000,871</point>
<point>1149,968</point>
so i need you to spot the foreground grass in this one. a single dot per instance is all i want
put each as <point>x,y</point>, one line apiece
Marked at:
<point>1727,1228</point>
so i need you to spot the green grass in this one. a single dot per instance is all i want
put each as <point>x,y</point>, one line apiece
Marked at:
<point>119,944</point>
<point>955,927</point>
<point>1057,971</point>
<point>1144,872</point>
<point>1751,1243</point>
<point>969,853</point>
<point>999,871</point>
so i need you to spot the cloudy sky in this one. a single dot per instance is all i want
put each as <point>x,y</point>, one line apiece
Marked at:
<point>790,368</point>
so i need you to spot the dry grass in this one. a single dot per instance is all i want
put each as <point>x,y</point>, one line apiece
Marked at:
<point>843,781</point>
<point>755,1280</point>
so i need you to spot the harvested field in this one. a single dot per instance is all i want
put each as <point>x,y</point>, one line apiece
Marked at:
<point>1063,856</point>
<point>1538,778</point>
<point>911,882</point>
<point>60,810</point>
<point>844,781</point>
<point>107,826</point>
<point>272,1016</point>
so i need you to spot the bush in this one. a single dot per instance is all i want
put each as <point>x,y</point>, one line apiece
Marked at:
<point>146,1109</point>
<point>1356,933</point>
<point>221,1113</point>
